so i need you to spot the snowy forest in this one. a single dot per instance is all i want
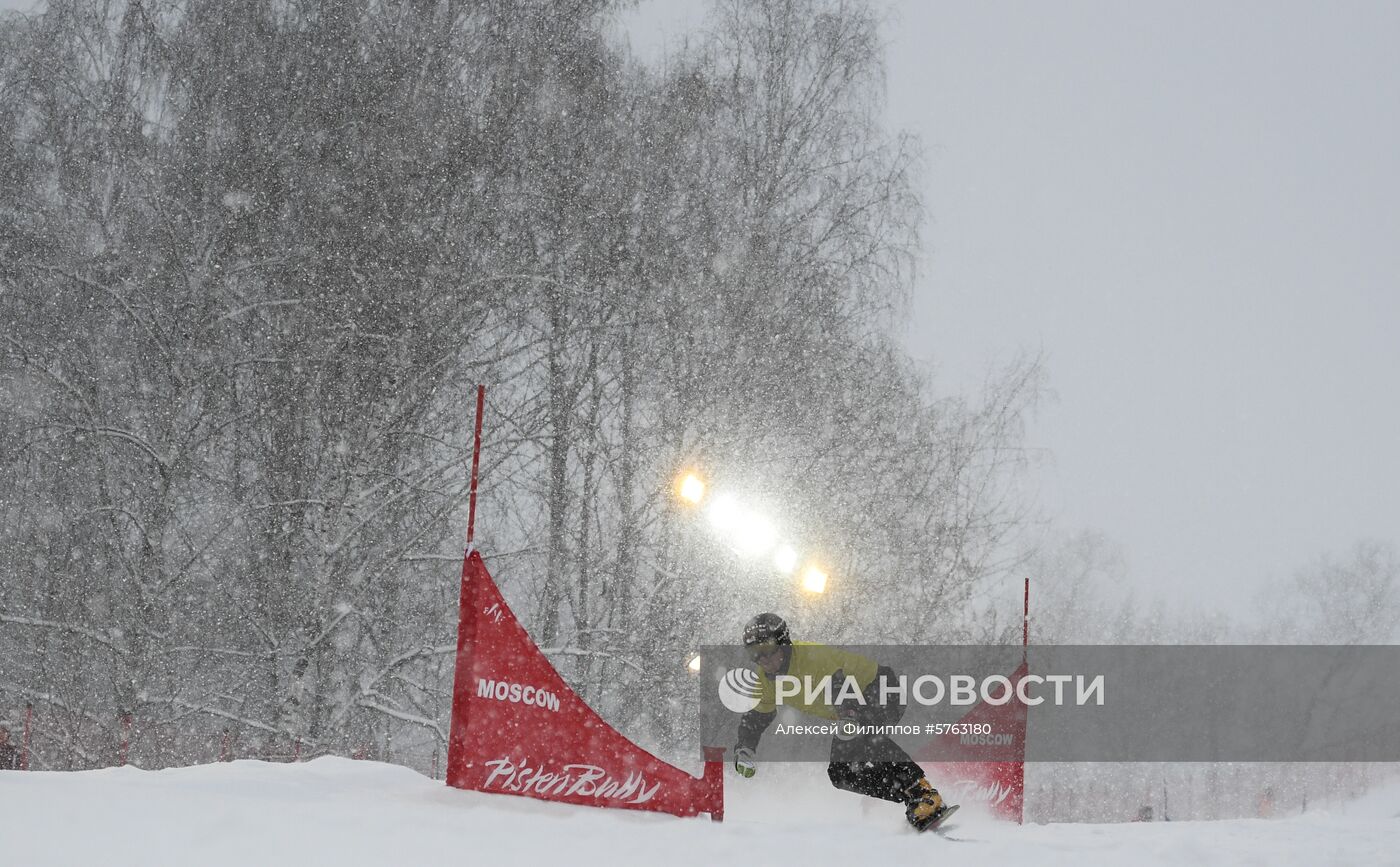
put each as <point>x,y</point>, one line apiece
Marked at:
<point>255,257</point>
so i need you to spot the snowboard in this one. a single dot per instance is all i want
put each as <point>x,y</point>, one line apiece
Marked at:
<point>934,826</point>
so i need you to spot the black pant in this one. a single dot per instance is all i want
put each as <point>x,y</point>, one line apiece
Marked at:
<point>872,764</point>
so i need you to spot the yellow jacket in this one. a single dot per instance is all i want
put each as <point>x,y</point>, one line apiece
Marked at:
<point>810,663</point>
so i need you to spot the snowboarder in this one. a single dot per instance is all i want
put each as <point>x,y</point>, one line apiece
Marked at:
<point>860,763</point>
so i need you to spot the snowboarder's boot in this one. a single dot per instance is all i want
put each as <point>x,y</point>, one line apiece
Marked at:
<point>925,806</point>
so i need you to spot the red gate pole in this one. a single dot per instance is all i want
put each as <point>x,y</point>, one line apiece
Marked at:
<point>1026,618</point>
<point>1025,733</point>
<point>476,461</point>
<point>466,617</point>
<point>457,746</point>
<point>223,747</point>
<point>28,725</point>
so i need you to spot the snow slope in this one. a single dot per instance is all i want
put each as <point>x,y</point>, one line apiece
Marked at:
<point>342,812</point>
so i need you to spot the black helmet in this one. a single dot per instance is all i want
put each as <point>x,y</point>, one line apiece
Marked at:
<point>766,628</point>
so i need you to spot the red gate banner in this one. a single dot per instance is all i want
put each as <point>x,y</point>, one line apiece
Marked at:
<point>975,768</point>
<point>519,729</point>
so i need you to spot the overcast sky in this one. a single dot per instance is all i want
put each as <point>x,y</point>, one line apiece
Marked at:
<point>1193,211</point>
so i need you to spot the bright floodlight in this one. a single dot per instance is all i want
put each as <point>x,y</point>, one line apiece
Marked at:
<point>785,559</point>
<point>691,489</point>
<point>814,580</point>
<point>724,513</point>
<point>753,535</point>
<point>694,664</point>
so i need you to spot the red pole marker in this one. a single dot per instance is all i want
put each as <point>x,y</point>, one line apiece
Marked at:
<point>28,725</point>
<point>1026,617</point>
<point>476,461</point>
<point>223,747</point>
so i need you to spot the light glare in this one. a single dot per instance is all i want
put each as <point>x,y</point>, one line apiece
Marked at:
<point>785,559</point>
<point>814,580</point>
<point>692,489</point>
<point>749,533</point>
<point>724,513</point>
<point>754,535</point>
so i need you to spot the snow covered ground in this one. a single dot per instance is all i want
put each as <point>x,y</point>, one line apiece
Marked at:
<point>342,812</point>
